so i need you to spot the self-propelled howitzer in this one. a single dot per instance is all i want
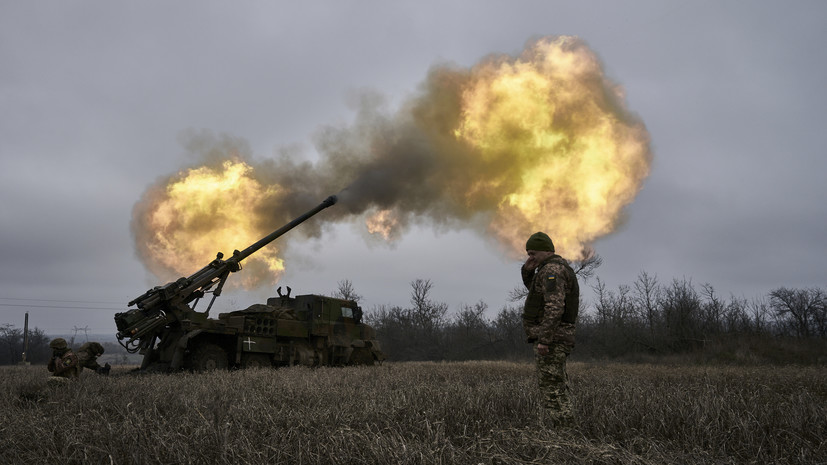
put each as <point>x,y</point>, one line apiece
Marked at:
<point>171,334</point>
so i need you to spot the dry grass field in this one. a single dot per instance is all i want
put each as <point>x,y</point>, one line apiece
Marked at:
<point>417,413</point>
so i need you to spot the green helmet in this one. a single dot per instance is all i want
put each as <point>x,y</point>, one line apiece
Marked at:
<point>94,348</point>
<point>97,348</point>
<point>58,343</point>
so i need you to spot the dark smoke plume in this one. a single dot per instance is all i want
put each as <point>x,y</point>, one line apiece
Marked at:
<point>460,154</point>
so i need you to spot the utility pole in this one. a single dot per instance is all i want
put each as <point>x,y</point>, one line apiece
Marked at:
<point>25,340</point>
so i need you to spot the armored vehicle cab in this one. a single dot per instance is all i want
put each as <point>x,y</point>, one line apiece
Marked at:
<point>310,330</point>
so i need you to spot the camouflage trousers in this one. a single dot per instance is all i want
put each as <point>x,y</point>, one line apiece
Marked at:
<point>551,374</point>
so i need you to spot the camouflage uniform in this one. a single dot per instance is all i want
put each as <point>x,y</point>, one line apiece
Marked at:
<point>88,357</point>
<point>549,318</point>
<point>64,362</point>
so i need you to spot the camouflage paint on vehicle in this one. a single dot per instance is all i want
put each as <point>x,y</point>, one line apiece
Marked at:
<point>309,330</point>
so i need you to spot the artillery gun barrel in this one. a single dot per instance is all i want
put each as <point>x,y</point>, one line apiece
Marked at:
<point>287,227</point>
<point>185,290</point>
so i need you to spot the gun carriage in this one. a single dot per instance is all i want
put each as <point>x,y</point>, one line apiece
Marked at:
<point>310,330</point>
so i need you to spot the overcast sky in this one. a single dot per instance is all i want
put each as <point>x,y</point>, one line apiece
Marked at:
<point>96,96</point>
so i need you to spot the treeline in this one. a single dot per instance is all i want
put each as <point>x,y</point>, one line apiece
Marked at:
<point>425,330</point>
<point>644,320</point>
<point>12,345</point>
<point>680,316</point>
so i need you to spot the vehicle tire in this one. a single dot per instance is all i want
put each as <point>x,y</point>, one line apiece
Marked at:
<point>249,360</point>
<point>208,357</point>
<point>361,356</point>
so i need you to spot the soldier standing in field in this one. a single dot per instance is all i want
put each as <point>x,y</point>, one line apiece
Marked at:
<point>549,318</point>
<point>88,358</point>
<point>64,362</point>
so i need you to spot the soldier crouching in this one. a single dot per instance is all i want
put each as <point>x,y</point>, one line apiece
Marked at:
<point>88,358</point>
<point>64,362</point>
<point>549,317</point>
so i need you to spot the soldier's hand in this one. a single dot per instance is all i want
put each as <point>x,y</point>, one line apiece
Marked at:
<point>542,349</point>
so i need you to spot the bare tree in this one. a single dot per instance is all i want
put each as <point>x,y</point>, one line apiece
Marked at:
<point>680,304</point>
<point>508,325</point>
<point>518,293</point>
<point>586,267</point>
<point>11,345</point>
<point>471,334</point>
<point>616,327</point>
<point>801,310</point>
<point>736,319</point>
<point>420,288</point>
<point>428,315</point>
<point>712,310</point>
<point>602,306</point>
<point>646,297</point>
<point>346,291</point>
<point>759,310</point>
<point>471,318</point>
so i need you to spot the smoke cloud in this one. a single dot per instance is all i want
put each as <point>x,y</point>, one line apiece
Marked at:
<point>511,146</point>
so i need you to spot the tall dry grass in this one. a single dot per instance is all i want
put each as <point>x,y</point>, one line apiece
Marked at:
<point>417,413</point>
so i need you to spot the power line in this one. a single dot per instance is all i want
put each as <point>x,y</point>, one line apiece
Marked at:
<point>72,301</point>
<point>64,302</point>
<point>58,306</point>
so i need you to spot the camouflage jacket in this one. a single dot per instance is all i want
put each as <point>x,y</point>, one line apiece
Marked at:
<point>64,364</point>
<point>88,355</point>
<point>550,310</point>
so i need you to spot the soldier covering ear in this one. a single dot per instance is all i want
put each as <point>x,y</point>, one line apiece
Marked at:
<point>64,362</point>
<point>549,317</point>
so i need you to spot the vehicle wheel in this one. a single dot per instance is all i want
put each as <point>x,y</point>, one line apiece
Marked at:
<point>361,356</point>
<point>255,361</point>
<point>208,357</point>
